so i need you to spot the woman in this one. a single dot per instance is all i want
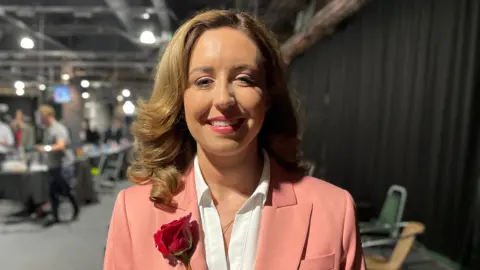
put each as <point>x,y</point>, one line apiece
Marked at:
<point>218,139</point>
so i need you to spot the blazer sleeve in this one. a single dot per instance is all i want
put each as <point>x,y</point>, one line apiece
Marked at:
<point>118,252</point>
<point>352,257</point>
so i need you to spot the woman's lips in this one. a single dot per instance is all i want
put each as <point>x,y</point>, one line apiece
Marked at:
<point>225,126</point>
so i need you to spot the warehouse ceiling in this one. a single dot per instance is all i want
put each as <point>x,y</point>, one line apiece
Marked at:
<point>103,41</point>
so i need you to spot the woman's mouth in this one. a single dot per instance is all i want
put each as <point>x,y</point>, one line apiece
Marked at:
<point>225,126</point>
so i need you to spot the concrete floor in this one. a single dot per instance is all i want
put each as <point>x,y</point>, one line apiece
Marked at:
<point>75,246</point>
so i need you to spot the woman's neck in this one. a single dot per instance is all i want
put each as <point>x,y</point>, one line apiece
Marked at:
<point>226,176</point>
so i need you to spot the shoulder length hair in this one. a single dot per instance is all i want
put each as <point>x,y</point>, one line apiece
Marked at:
<point>164,146</point>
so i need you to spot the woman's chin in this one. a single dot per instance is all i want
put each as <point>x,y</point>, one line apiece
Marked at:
<point>224,147</point>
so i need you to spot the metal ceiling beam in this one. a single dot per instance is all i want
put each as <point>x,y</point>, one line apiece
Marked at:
<point>104,64</point>
<point>122,12</point>
<point>68,54</point>
<point>22,26</point>
<point>72,29</point>
<point>162,11</point>
<point>104,84</point>
<point>134,11</point>
<point>87,30</point>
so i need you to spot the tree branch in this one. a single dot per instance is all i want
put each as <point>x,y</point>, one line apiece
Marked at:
<point>321,25</point>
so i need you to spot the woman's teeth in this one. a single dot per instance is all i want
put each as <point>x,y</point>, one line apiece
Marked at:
<point>224,123</point>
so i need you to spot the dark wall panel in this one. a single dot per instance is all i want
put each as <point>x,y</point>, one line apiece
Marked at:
<point>388,100</point>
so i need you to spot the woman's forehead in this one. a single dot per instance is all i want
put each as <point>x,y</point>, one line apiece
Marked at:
<point>224,47</point>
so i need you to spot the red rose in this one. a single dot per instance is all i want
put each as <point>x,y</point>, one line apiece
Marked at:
<point>178,239</point>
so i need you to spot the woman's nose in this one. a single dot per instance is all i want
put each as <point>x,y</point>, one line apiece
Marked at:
<point>224,96</point>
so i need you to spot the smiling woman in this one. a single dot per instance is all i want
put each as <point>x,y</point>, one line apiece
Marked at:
<point>217,144</point>
<point>239,56</point>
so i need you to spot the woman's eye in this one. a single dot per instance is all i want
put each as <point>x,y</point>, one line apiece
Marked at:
<point>204,82</point>
<point>246,80</point>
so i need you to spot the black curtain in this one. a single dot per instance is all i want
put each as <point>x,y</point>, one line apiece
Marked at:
<point>389,99</point>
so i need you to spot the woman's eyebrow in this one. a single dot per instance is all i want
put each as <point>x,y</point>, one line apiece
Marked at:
<point>202,69</point>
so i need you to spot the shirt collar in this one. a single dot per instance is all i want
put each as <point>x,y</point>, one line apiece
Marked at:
<point>261,190</point>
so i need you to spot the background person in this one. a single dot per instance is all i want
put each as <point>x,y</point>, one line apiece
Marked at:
<point>24,133</point>
<point>7,140</point>
<point>114,132</point>
<point>57,139</point>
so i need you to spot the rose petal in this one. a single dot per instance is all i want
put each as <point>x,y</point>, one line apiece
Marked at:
<point>174,223</point>
<point>182,240</point>
<point>180,246</point>
<point>175,237</point>
<point>160,245</point>
<point>195,232</point>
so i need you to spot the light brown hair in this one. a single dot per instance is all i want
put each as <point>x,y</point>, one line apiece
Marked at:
<point>165,147</point>
<point>47,110</point>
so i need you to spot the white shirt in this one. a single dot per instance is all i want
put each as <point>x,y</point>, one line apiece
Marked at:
<point>6,135</point>
<point>242,249</point>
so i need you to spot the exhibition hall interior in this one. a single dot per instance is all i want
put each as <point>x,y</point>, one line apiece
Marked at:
<point>386,94</point>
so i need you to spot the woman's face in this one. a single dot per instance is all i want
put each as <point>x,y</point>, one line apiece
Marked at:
<point>225,102</point>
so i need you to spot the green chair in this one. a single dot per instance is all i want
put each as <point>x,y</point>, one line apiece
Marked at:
<point>390,215</point>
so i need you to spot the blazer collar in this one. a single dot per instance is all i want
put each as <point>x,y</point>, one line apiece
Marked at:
<point>285,224</point>
<point>281,192</point>
<point>281,213</point>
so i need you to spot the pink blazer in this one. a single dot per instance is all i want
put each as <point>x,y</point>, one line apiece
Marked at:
<point>307,224</point>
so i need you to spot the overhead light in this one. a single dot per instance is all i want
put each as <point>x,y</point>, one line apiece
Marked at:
<point>125,92</point>
<point>42,87</point>
<point>85,95</point>
<point>147,37</point>
<point>146,16</point>
<point>65,77</point>
<point>96,85</point>
<point>119,98</point>
<point>20,92</point>
<point>85,83</point>
<point>27,43</point>
<point>19,85</point>
<point>128,107</point>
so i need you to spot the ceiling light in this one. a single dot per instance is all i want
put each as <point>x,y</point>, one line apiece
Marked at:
<point>147,37</point>
<point>20,92</point>
<point>119,98</point>
<point>42,87</point>
<point>125,92</point>
<point>96,84</point>
<point>85,83</point>
<point>65,77</point>
<point>27,43</point>
<point>128,107</point>
<point>146,16</point>
<point>19,85</point>
<point>85,95</point>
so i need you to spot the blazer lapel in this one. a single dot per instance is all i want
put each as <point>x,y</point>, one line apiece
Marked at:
<point>187,203</point>
<point>284,227</point>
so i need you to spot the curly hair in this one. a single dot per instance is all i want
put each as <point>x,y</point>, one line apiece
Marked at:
<point>164,146</point>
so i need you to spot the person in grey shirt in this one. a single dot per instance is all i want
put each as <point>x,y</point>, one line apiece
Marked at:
<point>56,140</point>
